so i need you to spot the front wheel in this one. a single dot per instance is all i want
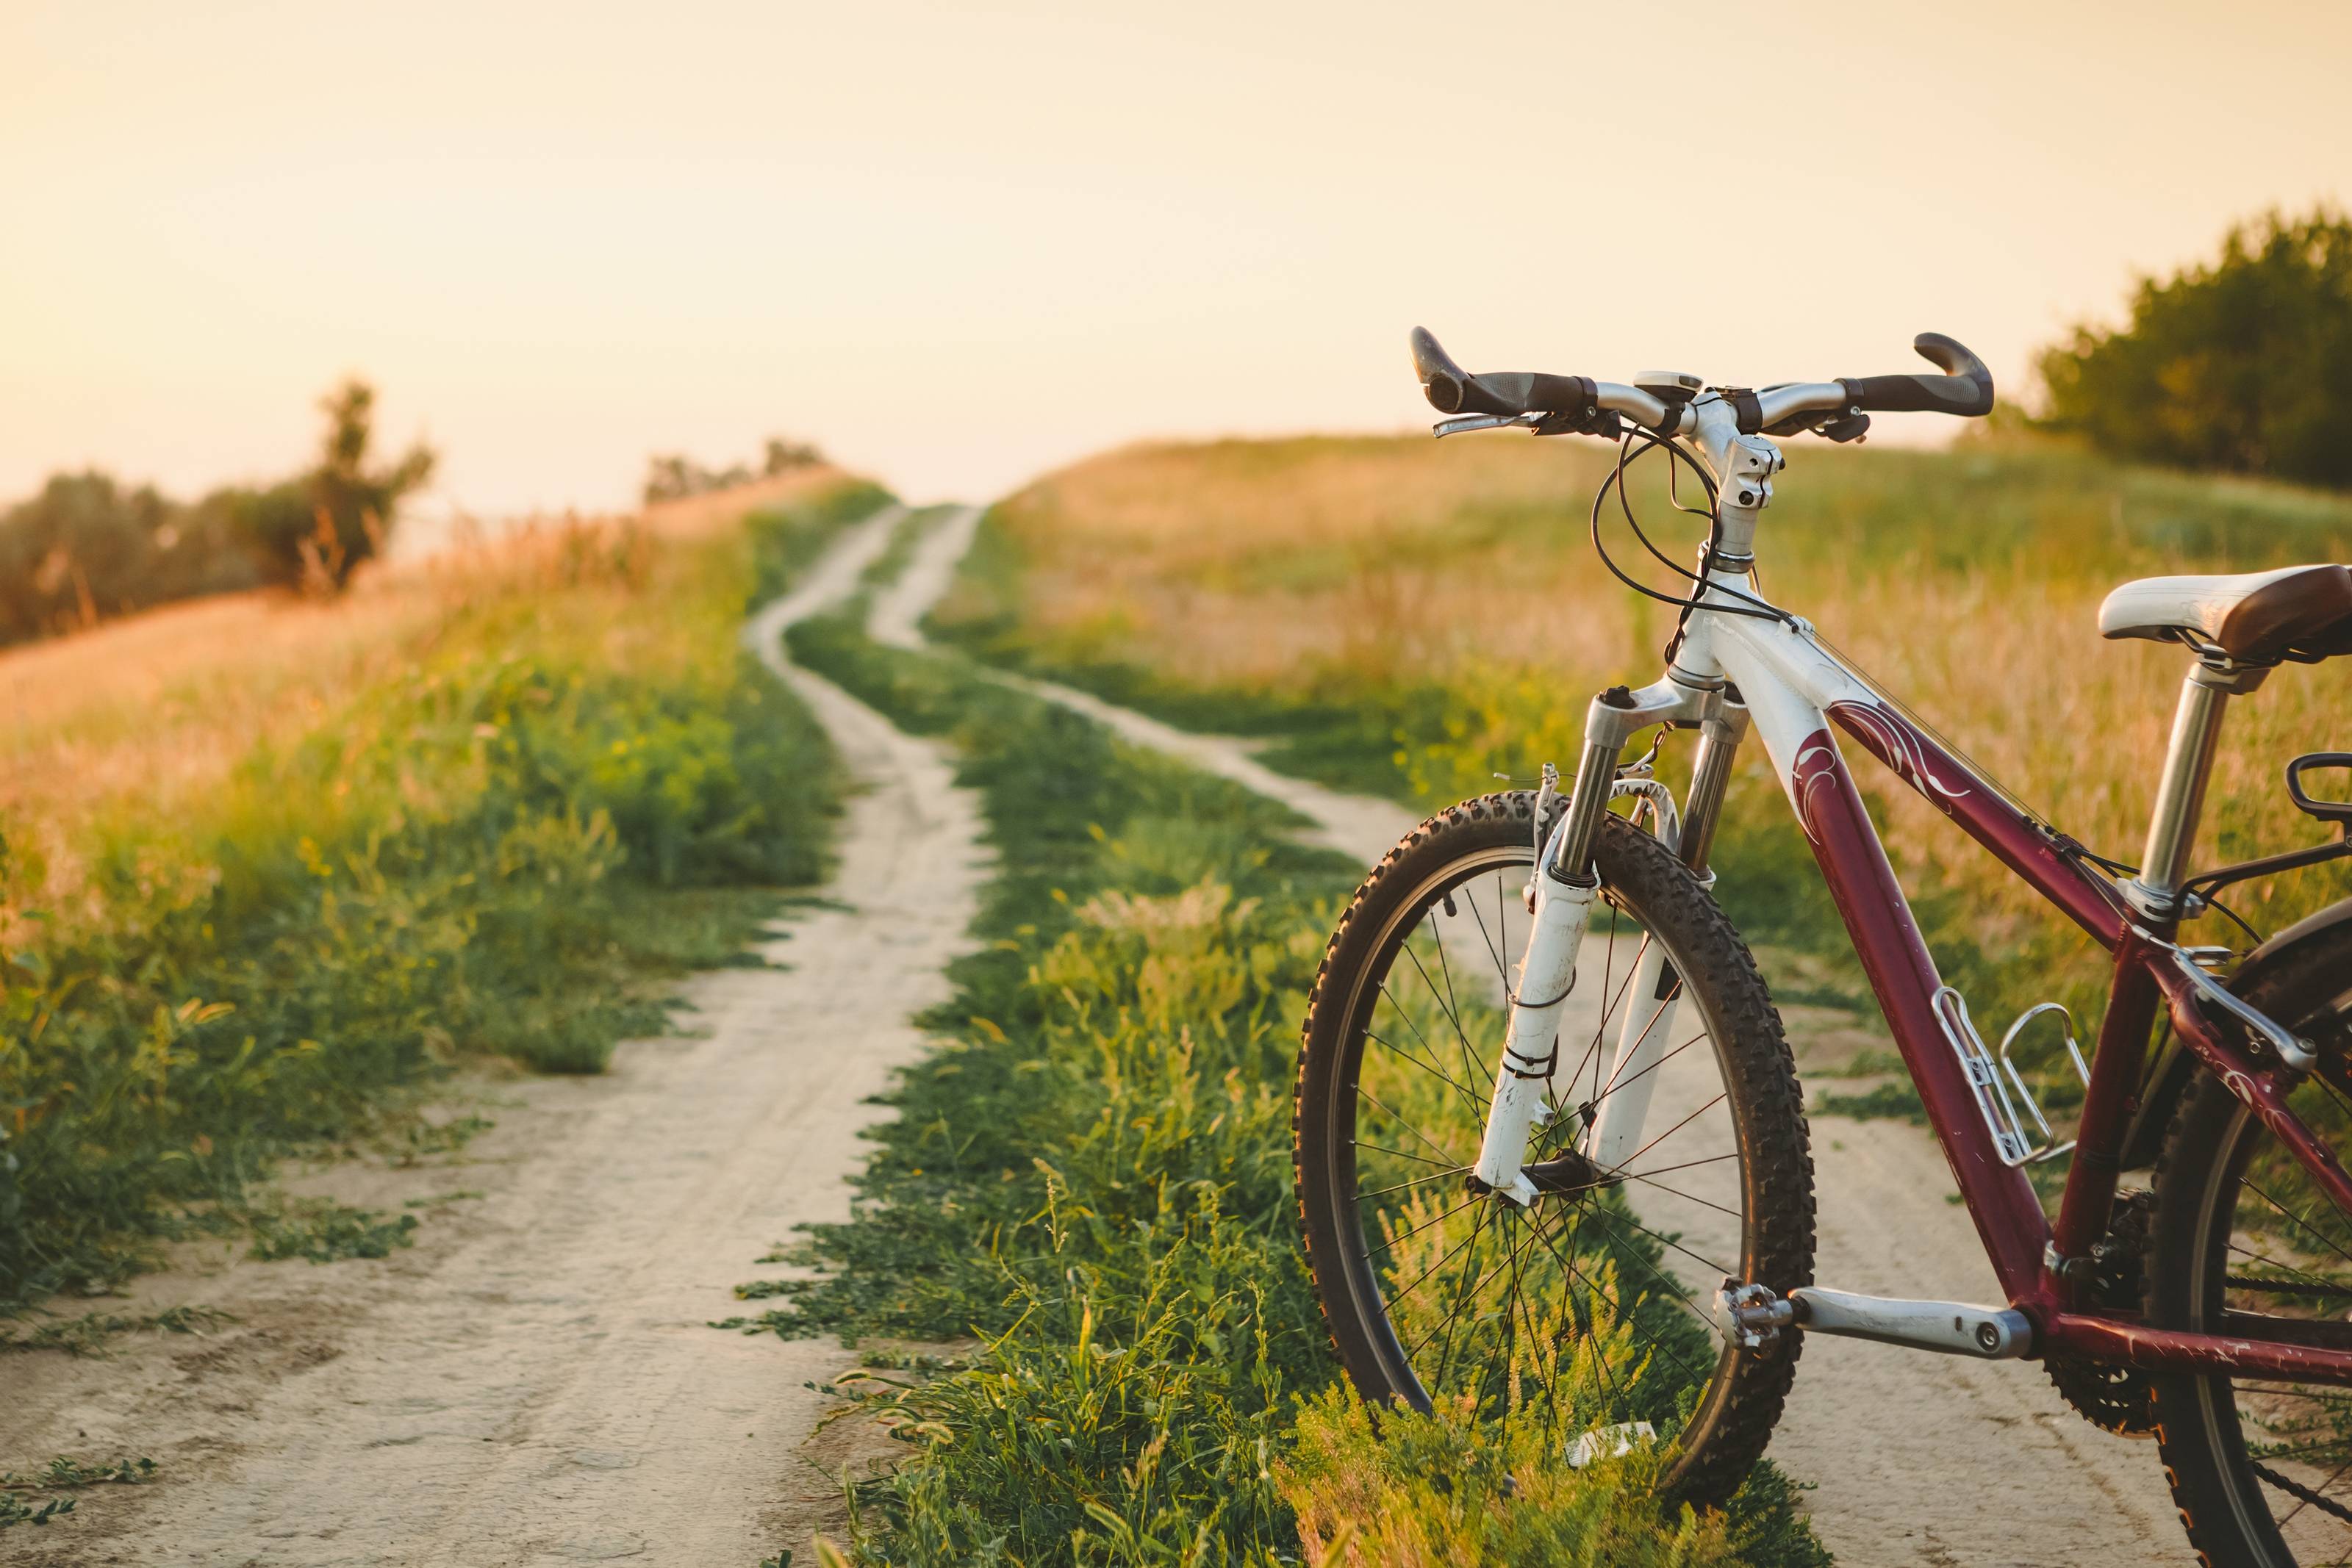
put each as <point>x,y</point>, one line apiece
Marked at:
<point>1583,1306</point>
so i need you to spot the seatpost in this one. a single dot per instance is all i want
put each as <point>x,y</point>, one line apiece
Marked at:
<point>2181,791</point>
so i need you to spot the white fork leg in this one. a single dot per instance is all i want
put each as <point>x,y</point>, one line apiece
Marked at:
<point>1562,911</point>
<point>1625,1100</point>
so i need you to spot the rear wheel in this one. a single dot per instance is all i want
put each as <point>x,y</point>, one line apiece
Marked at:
<point>2261,1468</point>
<point>1584,1307</point>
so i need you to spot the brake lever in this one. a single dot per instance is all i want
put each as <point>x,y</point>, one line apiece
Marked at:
<point>1462,423</point>
<point>1603,423</point>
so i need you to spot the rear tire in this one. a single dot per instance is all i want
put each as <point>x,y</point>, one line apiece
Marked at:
<point>1741,1171</point>
<point>2261,1469</point>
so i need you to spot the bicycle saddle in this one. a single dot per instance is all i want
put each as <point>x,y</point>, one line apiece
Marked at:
<point>2257,616</point>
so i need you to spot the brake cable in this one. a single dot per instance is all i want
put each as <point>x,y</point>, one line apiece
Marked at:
<point>1628,453</point>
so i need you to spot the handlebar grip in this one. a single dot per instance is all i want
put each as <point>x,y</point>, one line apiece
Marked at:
<point>1452,389</point>
<point>1965,388</point>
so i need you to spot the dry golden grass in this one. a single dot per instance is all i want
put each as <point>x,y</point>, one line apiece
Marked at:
<point>1354,570</point>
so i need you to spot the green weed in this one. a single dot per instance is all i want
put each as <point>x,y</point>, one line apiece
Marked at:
<point>63,1474</point>
<point>88,1334</point>
<point>1898,1101</point>
<point>439,1198</point>
<point>323,1232</point>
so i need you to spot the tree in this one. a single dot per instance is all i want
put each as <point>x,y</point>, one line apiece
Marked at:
<point>313,530</point>
<point>2240,365</point>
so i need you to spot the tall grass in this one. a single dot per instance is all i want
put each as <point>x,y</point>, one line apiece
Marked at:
<point>1414,617</point>
<point>552,783</point>
<point>1092,1175</point>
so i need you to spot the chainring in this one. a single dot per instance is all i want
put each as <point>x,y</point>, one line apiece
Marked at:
<point>2111,1396</point>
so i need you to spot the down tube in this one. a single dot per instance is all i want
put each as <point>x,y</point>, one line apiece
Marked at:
<point>1902,973</point>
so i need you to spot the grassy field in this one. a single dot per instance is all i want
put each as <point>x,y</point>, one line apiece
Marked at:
<point>1412,617</point>
<point>1092,1175</point>
<point>269,868</point>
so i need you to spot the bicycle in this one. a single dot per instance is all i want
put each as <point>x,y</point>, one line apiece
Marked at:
<point>1521,1180</point>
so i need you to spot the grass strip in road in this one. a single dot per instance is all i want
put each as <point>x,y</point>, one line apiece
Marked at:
<point>561,788</point>
<point>1091,1174</point>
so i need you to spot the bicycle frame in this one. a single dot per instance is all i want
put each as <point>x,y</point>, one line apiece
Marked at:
<point>1799,695</point>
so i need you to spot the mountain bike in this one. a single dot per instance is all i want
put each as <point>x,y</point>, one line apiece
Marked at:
<point>1551,1153</point>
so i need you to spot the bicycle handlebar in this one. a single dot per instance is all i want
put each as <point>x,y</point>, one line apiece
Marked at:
<point>1965,388</point>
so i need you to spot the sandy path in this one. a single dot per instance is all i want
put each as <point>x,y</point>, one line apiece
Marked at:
<point>1916,1458</point>
<point>534,1383</point>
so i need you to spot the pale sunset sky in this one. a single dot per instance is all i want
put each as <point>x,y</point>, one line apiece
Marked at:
<point>956,244</point>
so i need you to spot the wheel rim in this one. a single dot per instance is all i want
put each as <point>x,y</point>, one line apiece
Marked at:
<point>2271,1245</point>
<point>1581,1309</point>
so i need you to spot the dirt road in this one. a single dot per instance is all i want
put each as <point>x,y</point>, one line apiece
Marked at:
<point>533,1383</point>
<point>1916,1458</point>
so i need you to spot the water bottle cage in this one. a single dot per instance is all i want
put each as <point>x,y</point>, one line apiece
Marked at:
<point>1999,1087</point>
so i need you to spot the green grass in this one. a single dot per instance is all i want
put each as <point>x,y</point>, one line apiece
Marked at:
<point>576,788</point>
<point>1091,1175</point>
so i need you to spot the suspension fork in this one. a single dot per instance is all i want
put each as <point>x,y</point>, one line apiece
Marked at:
<point>1565,886</point>
<point>1621,1098</point>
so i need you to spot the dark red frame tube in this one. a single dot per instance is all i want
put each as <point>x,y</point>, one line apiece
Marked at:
<point>1902,973</point>
<point>1903,976</point>
<point>2015,839</point>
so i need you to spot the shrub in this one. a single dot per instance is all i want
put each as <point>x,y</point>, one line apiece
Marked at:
<point>2235,365</point>
<point>673,475</point>
<point>87,548</point>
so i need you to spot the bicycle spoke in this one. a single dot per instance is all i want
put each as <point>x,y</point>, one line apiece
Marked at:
<point>1601,1380</point>
<point>1416,1181</point>
<point>1502,969</point>
<point>1437,936</point>
<point>2308,1497</point>
<point>1441,1264</point>
<point>1678,1126</point>
<point>1469,1057</point>
<point>1451,1157</point>
<point>1656,1013</point>
<point>1467,1098</point>
<point>1669,1056</point>
<point>1372,1252</point>
<point>1689,1197</point>
<point>2299,1220</point>
<point>1686,1165</point>
<point>1536,1343</point>
<point>1634,1328</point>
<point>1404,1155</point>
<point>1709,1263</point>
<point>1462,1289</point>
